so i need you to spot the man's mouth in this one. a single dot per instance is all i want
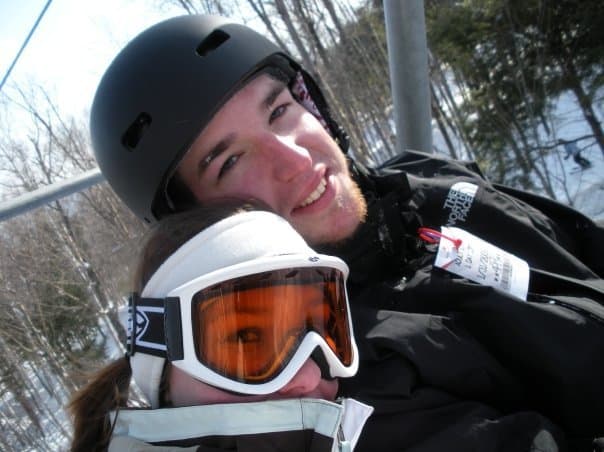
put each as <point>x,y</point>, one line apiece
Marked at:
<point>316,194</point>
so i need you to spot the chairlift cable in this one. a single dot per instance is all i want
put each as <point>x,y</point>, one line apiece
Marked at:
<point>31,32</point>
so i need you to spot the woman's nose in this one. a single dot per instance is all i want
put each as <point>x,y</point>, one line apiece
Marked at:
<point>304,382</point>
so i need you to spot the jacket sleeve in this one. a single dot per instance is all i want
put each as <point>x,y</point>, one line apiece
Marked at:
<point>588,236</point>
<point>546,233</point>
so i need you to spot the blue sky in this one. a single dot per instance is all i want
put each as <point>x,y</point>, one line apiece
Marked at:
<point>73,44</point>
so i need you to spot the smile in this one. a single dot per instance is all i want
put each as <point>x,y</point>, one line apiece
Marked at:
<point>316,194</point>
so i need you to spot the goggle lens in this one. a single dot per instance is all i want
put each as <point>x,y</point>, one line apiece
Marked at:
<point>247,329</point>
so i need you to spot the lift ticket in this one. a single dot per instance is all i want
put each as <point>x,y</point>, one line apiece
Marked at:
<point>481,262</point>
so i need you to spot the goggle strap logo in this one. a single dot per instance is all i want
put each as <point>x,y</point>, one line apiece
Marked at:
<point>146,326</point>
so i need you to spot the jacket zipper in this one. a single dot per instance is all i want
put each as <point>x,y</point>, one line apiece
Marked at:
<point>546,300</point>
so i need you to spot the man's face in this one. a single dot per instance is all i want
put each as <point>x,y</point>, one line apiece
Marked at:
<point>263,145</point>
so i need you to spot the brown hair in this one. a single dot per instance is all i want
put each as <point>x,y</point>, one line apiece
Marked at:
<point>108,389</point>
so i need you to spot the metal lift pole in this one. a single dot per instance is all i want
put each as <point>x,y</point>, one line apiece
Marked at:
<point>408,62</point>
<point>44,195</point>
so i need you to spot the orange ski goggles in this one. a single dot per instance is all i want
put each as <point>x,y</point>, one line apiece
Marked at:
<point>249,328</point>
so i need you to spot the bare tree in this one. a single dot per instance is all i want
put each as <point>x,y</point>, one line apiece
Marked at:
<point>63,269</point>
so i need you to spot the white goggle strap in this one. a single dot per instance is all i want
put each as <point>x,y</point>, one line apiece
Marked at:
<point>154,327</point>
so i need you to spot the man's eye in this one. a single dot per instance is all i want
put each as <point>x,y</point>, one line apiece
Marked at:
<point>228,164</point>
<point>278,112</point>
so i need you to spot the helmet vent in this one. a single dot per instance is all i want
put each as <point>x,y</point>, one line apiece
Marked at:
<point>212,42</point>
<point>135,132</point>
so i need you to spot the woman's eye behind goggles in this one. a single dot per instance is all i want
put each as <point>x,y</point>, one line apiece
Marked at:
<point>251,333</point>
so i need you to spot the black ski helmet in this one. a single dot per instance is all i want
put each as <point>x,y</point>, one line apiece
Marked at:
<point>160,92</point>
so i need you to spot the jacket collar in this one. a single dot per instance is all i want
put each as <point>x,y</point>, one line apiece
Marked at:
<point>387,240</point>
<point>335,426</point>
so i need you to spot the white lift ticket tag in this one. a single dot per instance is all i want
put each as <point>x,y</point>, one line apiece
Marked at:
<point>481,262</point>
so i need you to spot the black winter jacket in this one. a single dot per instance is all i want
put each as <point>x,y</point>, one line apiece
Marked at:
<point>447,364</point>
<point>452,365</point>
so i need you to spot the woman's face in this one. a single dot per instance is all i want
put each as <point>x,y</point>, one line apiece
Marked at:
<point>185,390</point>
<point>250,330</point>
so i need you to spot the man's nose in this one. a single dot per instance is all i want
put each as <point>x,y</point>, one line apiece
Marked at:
<point>304,382</point>
<point>286,157</point>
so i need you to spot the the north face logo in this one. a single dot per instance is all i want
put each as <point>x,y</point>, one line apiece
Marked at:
<point>459,201</point>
